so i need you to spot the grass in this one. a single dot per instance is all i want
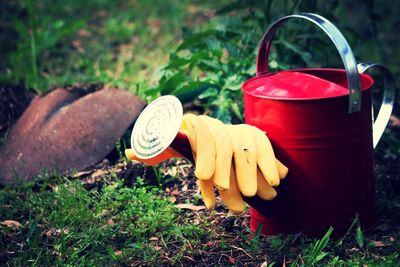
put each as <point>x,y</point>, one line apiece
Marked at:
<point>68,225</point>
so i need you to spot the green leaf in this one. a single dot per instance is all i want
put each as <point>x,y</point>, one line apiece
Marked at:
<point>222,114</point>
<point>354,223</point>
<point>237,111</point>
<point>321,256</point>
<point>22,29</point>
<point>200,55</point>
<point>359,237</point>
<point>234,50</point>
<point>233,83</point>
<point>210,65</point>
<point>214,46</point>
<point>149,94</point>
<point>190,91</point>
<point>195,39</point>
<point>258,230</point>
<point>111,252</point>
<point>210,92</point>
<point>316,252</point>
<point>214,78</point>
<point>176,62</point>
<point>170,84</point>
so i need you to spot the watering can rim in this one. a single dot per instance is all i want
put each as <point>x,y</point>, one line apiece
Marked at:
<point>367,78</point>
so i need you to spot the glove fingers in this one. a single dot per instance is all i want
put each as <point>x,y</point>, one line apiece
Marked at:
<point>223,146</point>
<point>207,192</point>
<point>188,129</point>
<point>202,145</point>
<point>266,158</point>
<point>283,170</point>
<point>264,189</point>
<point>244,153</point>
<point>231,197</point>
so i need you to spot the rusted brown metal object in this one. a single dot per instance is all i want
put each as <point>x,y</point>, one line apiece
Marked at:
<point>66,130</point>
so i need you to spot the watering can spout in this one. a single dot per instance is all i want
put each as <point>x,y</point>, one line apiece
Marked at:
<point>156,132</point>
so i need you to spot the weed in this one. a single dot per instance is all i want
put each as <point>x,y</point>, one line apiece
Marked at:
<point>315,253</point>
<point>158,175</point>
<point>33,34</point>
<point>196,199</point>
<point>276,243</point>
<point>359,237</point>
<point>253,244</point>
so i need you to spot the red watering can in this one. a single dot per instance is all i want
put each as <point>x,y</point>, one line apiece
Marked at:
<point>320,124</point>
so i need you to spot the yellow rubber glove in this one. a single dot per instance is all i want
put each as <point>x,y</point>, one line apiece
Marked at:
<point>252,151</point>
<point>254,171</point>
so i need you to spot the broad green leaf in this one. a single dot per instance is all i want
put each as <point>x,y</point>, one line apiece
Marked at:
<point>191,91</point>
<point>199,55</point>
<point>195,39</point>
<point>210,92</point>
<point>172,83</point>
<point>176,62</point>
<point>214,78</point>
<point>211,65</point>
<point>233,83</point>
<point>150,94</point>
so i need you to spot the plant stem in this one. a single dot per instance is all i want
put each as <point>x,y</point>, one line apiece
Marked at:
<point>32,25</point>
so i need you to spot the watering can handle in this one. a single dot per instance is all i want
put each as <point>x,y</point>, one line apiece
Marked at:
<point>337,38</point>
<point>387,102</point>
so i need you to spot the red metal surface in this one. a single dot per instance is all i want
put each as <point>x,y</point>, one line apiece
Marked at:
<point>303,84</point>
<point>328,151</point>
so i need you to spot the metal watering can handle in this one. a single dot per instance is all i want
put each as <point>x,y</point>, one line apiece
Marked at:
<point>387,103</point>
<point>337,38</point>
